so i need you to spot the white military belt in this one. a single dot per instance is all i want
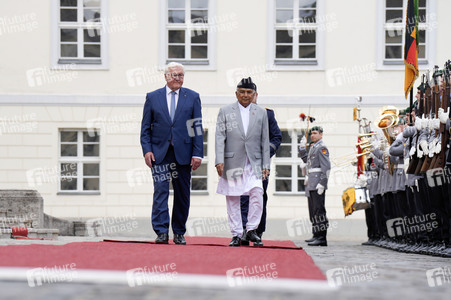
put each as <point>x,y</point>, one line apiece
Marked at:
<point>313,170</point>
<point>400,166</point>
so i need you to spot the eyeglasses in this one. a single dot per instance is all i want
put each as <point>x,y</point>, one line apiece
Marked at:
<point>177,75</point>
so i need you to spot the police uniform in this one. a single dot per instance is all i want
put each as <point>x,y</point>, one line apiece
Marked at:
<point>318,168</point>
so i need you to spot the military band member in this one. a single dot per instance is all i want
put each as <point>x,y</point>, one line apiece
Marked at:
<point>318,168</point>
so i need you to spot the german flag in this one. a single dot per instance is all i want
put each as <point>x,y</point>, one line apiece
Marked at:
<point>411,46</point>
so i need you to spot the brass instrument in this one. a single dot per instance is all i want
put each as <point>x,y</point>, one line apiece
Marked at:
<point>387,121</point>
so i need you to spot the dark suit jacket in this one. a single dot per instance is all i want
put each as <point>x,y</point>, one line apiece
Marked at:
<point>275,136</point>
<point>157,129</point>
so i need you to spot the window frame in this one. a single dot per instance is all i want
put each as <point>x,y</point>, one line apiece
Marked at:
<point>431,33</point>
<point>204,162</point>
<point>189,64</point>
<point>78,63</point>
<point>294,161</point>
<point>80,160</point>
<point>294,64</point>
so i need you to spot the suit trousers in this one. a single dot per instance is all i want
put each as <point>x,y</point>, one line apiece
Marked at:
<point>245,208</point>
<point>317,213</point>
<point>180,175</point>
<point>254,215</point>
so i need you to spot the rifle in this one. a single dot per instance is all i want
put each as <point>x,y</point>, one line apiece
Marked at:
<point>426,110</point>
<point>440,158</point>
<point>434,113</point>
<point>414,159</point>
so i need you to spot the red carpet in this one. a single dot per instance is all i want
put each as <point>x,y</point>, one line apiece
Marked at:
<point>201,255</point>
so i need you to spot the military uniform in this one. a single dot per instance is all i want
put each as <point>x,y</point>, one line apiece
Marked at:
<point>318,168</point>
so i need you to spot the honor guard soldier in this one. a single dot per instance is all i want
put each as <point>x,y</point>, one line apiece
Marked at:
<point>318,168</point>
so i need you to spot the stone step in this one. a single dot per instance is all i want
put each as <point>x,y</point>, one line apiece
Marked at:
<point>33,233</point>
<point>87,228</point>
<point>16,222</point>
<point>5,233</point>
<point>43,233</point>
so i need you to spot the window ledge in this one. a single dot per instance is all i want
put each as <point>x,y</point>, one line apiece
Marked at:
<point>289,193</point>
<point>296,62</point>
<point>204,193</point>
<point>78,193</point>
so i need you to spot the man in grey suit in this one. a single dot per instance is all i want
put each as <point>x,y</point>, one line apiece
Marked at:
<point>318,168</point>
<point>242,159</point>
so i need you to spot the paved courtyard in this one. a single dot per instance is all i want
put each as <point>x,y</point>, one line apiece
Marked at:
<point>354,272</point>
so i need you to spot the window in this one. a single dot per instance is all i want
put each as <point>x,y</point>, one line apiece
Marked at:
<point>296,32</point>
<point>187,29</point>
<point>394,27</point>
<point>79,161</point>
<point>199,178</point>
<point>188,35</point>
<point>80,32</point>
<point>289,178</point>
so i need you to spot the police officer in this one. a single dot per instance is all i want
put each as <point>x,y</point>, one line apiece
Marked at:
<point>318,168</point>
<point>275,138</point>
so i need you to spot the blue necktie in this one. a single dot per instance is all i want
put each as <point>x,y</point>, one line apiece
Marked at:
<point>172,112</point>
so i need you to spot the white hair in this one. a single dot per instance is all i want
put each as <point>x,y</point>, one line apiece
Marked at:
<point>172,65</point>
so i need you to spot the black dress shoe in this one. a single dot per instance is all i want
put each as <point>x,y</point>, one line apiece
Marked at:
<point>311,239</point>
<point>244,240</point>
<point>162,238</point>
<point>179,239</point>
<point>321,241</point>
<point>236,241</point>
<point>370,242</point>
<point>252,236</point>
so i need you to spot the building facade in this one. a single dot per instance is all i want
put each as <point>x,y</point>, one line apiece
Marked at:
<point>74,74</point>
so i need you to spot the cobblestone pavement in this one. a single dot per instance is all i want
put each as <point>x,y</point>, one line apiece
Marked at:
<point>361,272</point>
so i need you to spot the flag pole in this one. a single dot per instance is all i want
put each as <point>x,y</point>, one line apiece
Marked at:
<point>410,107</point>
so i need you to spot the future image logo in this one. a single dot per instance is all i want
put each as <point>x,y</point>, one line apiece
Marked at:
<point>151,275</point>
<point>408,225</point>
<point>234,176</point>
<point>251,274</point>
<point>194,127</point>
<point>438,276</point>
<point>349,275</point>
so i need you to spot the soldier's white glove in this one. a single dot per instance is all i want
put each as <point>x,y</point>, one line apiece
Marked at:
<point>435,124</point>
<point>412,151</point>
<point>306,180</point>
<point>418,123</point>
<point>409,131</point>
<point>438,146</point>
<point>376,144</point>
<point>362,180</point>
<point>419,152</point>
<point>425,123</point>
<point>303,143</point>
<point>320,189</point>
<point>424,147</point>
<point>443,116</point>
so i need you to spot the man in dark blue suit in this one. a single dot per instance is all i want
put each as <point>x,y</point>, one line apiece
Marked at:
<point>275,138</point>
<point>172,144</point>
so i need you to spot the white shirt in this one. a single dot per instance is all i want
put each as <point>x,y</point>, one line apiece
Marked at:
<point>168,98</point>
<point>245,111</point>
